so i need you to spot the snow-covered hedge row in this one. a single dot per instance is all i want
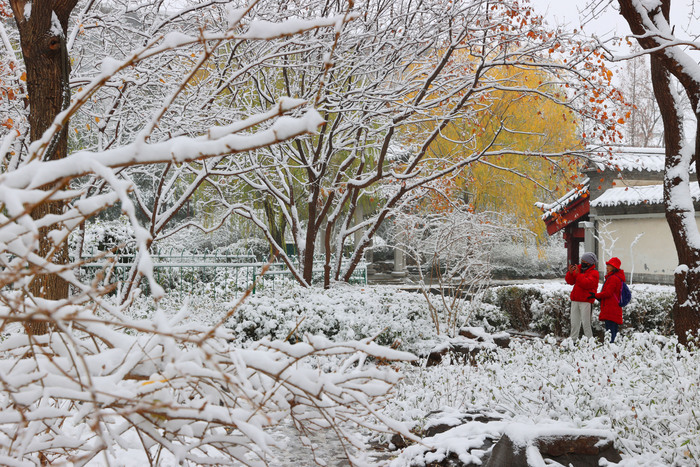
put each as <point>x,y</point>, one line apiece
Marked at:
<point>402,318</point>
<point>343,312</point>
<point>544,309</point>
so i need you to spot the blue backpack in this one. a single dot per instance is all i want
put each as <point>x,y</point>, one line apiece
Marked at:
<point>625,294</point>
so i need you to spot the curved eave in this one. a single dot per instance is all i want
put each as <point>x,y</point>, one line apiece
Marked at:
<point>575,210</point>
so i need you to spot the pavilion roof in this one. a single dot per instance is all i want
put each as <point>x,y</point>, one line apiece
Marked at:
<point>566,210</point>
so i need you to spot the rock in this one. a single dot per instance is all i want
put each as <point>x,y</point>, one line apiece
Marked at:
<point>453,461</point>
<point>460,352</point>
<point>470,342</point>
<point>447,423</point>
<point>397,442</point>
<point>479,454</point>
<point>466,332</point>
<point>579,451</point>
<point>505,452</point>
<point>502,339</point>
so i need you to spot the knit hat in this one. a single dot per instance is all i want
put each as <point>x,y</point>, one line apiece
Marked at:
<point>614,262</point>
<point>589,258</point>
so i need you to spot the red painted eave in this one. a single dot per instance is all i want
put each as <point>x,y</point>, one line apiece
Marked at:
<point>569,214</point>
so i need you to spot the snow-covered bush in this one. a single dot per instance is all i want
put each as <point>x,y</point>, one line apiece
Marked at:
<point>544,308</point>
<point>391,316</point>
<point>512,304</point>
<point>258,247</point>
<point>115,235</point>
<point>650,308</point>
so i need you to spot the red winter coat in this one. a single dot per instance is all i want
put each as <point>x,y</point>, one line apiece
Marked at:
<point>610,309</point>
<point>584,283</point>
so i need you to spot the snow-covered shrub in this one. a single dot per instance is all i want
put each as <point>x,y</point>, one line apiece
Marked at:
<point>645,388</point>
<point>258,247</point>
<point>541,308</point>
<point>197,240</point>
<point>489,316</point>
<point>650,308</point>
<point>544,308</point>
<point>393,317</point>
<point>515,303</point>
<point>380,250</point>
<point>551,314</point>
<point>103,236</point>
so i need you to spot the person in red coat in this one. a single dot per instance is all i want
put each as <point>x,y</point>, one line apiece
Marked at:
<point>584,278</point>
<point>609,296</point>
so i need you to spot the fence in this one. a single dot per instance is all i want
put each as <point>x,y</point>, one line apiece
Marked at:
<point>216,273</point>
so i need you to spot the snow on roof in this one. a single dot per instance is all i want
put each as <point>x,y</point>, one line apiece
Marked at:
<point>631,196</point>
<point>551,208</point>
<point>628,158</point>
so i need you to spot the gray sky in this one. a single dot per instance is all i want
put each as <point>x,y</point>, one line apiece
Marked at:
<point>566,12</point>
<point>609,22</point>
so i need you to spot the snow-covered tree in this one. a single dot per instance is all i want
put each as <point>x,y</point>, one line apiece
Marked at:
<point>86,382</point>
<point>673,59</point>
<point>42,32</point>
<point>452,251</point>
<point>643,126</point>
<point>399,69</point>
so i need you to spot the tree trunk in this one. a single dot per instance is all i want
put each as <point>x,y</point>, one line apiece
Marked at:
<point>42,27</point>
<point>666,60</point>
<point>276,231</point>
<point>686,313</point>
<point>680,218</point>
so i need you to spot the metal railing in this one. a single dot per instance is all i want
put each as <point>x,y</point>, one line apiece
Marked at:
<point>216,273</point>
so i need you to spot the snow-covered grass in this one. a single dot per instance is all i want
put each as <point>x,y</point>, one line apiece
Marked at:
<point>643,389</point>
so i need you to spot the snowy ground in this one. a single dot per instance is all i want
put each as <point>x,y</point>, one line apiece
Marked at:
<point>642,391</point>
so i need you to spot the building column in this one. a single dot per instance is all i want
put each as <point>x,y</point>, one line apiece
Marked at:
<point>399,263</point>
<point>573,236</point>
<point>589,237</point>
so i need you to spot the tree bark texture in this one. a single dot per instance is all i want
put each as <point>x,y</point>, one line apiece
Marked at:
<point>42,27</point>
<point>680,216</point>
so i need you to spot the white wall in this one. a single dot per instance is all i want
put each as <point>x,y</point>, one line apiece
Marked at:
<point>643,244</point>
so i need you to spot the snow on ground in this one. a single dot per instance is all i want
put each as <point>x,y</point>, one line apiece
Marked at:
<point>641,391</point>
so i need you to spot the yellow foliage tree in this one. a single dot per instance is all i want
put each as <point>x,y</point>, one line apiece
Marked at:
<point>531,134</point>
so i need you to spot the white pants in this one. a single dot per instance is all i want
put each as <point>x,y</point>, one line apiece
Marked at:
<point>581,313</point>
